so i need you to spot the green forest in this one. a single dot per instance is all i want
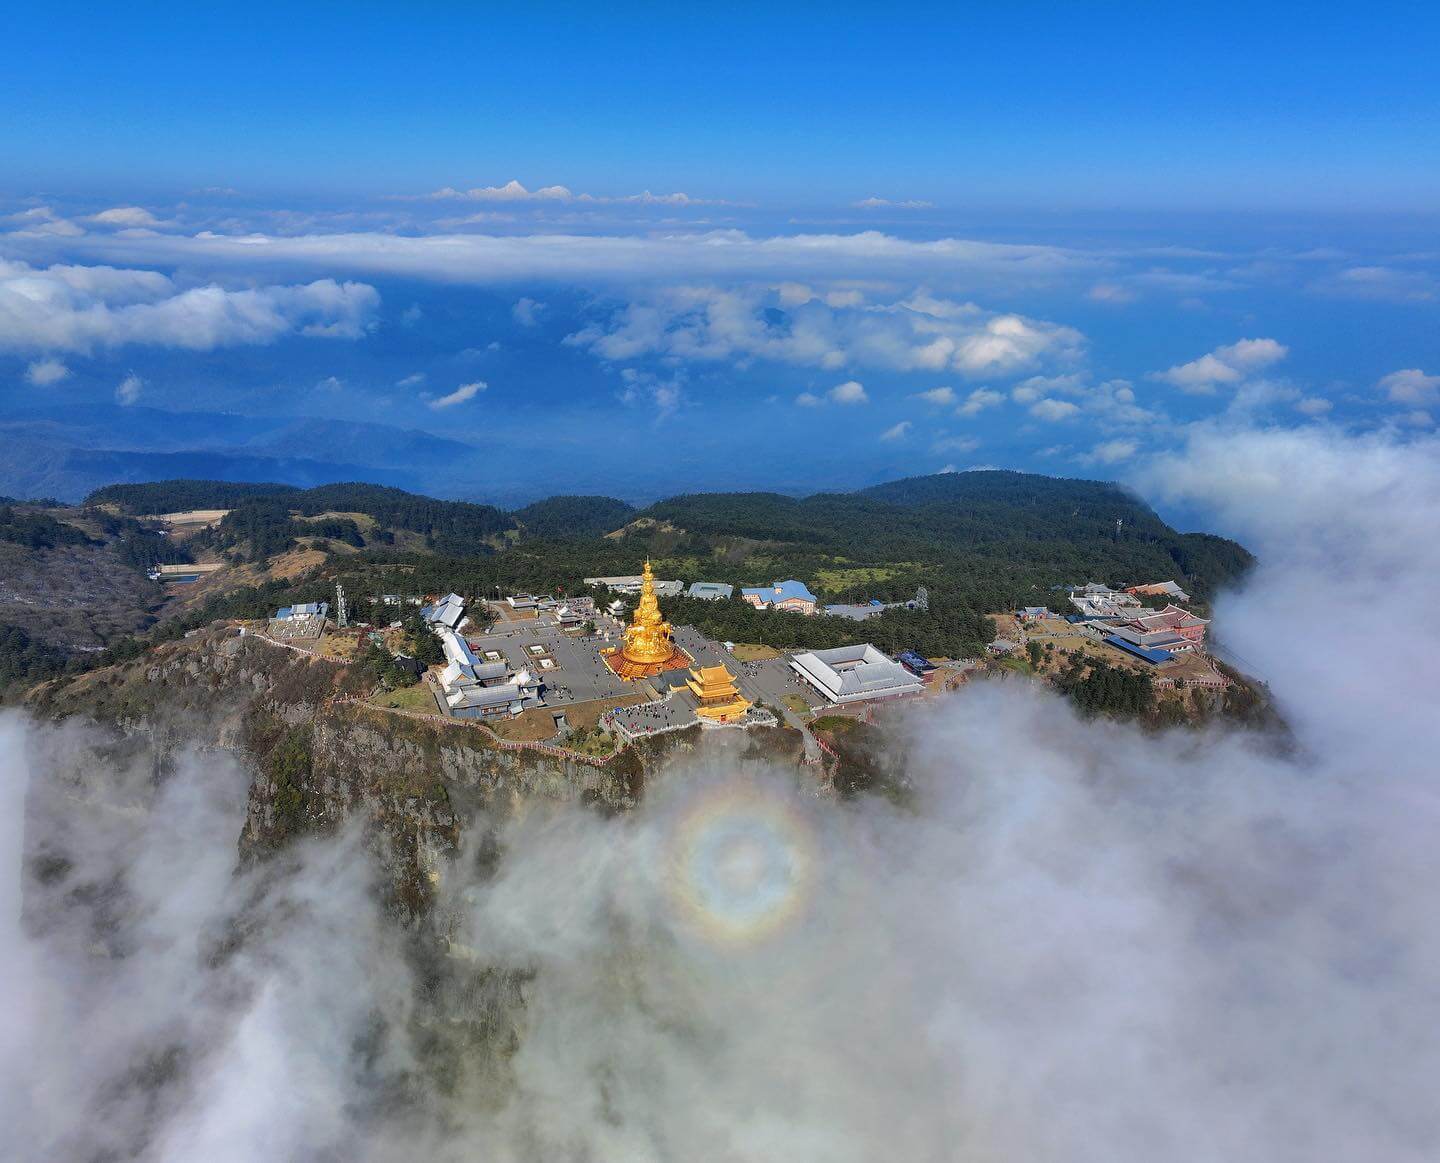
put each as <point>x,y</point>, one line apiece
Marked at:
<point>37,530</point>
<point>978,542</point>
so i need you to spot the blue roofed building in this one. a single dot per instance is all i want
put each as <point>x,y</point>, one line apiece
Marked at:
<point>915,662</point>
<point>790,595</point>
<point>1153,657</point>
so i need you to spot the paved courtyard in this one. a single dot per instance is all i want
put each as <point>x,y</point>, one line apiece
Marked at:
<point>571,667</point>
<point>578,675</point>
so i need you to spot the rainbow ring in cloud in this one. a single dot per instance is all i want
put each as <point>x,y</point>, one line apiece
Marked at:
<point>742,865</point>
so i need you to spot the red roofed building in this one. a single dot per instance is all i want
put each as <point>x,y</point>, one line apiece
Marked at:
<point>1174,620</point>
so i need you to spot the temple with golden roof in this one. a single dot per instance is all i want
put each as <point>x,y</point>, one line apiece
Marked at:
<point>715,692</point>
<point>649,648</point>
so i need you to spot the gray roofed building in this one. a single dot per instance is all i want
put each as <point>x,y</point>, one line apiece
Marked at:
<point>448,611</point>
<point>711,591</point>
<point>630,584</point>
<point>849,674</point>
<point>474,701</point>
<point>1152,639</point>
<point>1157,589</point>
<point>855,612</point>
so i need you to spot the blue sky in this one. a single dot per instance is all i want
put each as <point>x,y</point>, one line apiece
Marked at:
<point>1049,104</point>
<point>797,249</point>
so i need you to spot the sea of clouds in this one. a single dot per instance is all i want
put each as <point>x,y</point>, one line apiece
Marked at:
<point>1079,942</point>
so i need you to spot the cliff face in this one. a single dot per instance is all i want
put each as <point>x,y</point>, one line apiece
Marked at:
<point>318,760</point>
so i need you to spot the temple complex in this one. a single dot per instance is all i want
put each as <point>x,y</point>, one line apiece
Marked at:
<point>649,647</point>
<point>715,691</point>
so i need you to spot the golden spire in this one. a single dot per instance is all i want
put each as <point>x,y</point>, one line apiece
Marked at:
<point>649,645</point>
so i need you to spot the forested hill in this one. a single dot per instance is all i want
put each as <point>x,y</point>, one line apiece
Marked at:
<point>1020,530</point>
<point>179,496</point>
<point>260,513</point>
<point>563,517</point>
<point>997,534</point>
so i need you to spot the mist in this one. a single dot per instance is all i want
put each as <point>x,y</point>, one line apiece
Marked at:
<point>1075,941</point>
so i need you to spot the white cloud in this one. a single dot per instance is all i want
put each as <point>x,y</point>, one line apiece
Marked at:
<point>873,203</point>
<point>460,395</point>
<point>527,312</point>
<point>963,266</point>
<point>1072,384</point>
<point>1313,405</point>
<point>514,191</point>
<point>1252,354</point>
<point>663,395</point>
<point>944,443</point>
<point>1113,451</point>
<point>1113,401</point>
<point>1410,386</point>
<point>922,333</point>
<point>511,191</point>
<point>980,399</point>
<point>414,380</point>
<point>896,431</point>
<point>942,397</point>
<point>1110,293</point>
<point>1193,945</point>
<point>44,372</point>
<point>1380,283</point>
<point>125,216</point>
<point>43,222</point>
<point>1223,366</point>
<point>851,392</point>
<point>79,308</point>
<point>128,390</point>
<point>330,384</point>
<point>1053,410</point>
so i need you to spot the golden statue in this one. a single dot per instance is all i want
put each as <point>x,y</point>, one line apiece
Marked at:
<point>715,692</point>
<point>649,645</point>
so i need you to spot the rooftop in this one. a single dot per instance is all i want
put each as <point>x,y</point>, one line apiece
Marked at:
<point>1154,657</point>
<point>848,673</point>
<point>781,591</point>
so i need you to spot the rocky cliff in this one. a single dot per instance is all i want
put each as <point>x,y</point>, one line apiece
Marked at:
<point>427,790</point>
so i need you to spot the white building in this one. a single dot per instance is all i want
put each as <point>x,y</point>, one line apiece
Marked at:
<point>850,674</point>
<point>1097,601</point>
<point>630,584</point>
<point>448,611</point>
<point>301,611</point>
<point>475,690</point>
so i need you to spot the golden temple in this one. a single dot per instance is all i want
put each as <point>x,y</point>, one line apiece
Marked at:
<point>649,647</point>
<point>714,689</point>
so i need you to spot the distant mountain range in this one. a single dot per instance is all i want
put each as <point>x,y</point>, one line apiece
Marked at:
<point>66,453</point>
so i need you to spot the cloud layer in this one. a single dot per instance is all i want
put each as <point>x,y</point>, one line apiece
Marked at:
<point>81,308</point>
<point>919,333</point>
<point>1075,941</point>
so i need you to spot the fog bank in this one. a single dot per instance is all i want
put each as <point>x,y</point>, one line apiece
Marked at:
<point>1080,942</point>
